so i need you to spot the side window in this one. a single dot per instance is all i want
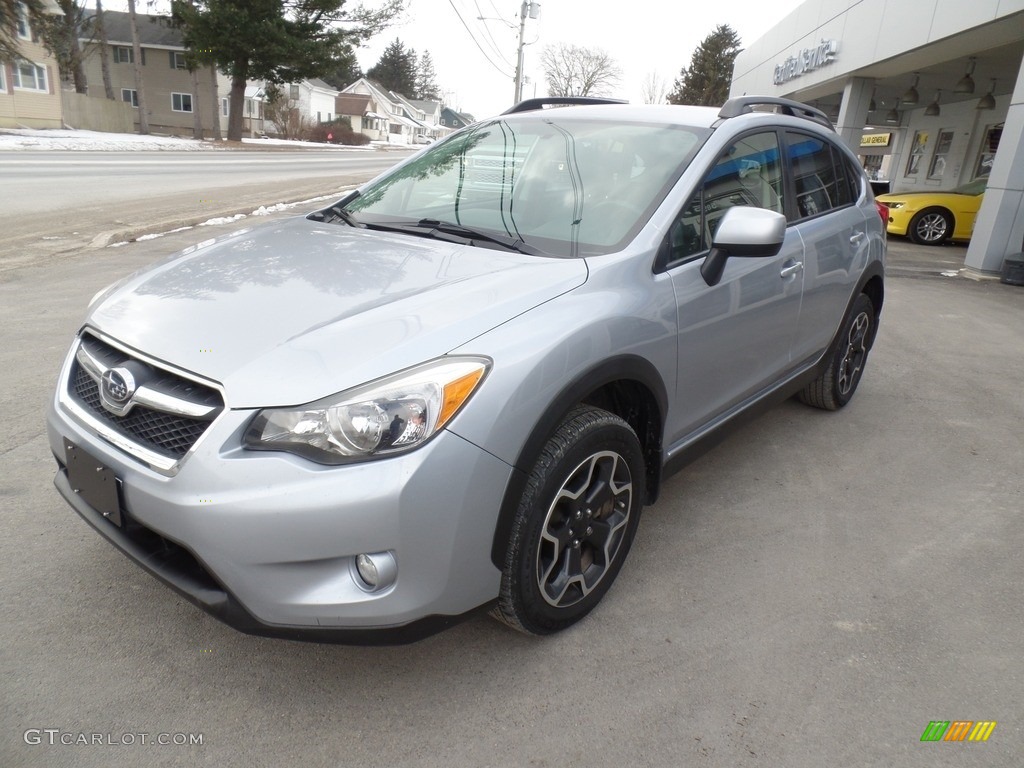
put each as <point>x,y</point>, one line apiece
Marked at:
<point>748,173</point>
<point>820,175</point>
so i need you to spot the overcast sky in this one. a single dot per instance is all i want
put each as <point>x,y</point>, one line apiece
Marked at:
<point>645,37</point>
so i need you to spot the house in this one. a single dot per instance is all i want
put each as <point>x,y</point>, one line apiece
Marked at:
<point>305,103</point>
<point>452,119</point>
<point>170,101</point>
<point>29,92</point>
<point>364,113</point>
<point>400,120</point>
<point>432,116</point>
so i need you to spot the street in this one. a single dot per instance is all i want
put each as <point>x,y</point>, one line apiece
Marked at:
<point>61,202</point>
<point>814,591</point>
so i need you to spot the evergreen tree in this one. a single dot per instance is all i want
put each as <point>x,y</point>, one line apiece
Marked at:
<point>60,34</point>
<point>426,79</point>
<point>279,41</point>
<point>344,71</point>
<point>396,69</point>
<point>706,81</point>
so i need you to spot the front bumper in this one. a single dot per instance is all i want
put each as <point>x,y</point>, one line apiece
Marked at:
<point>267,542</point>
<point>899,221</point>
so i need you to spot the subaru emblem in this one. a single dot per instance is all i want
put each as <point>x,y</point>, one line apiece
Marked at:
<point>116,389</point>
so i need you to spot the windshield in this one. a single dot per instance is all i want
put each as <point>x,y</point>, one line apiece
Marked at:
<point>561,186</point>
<point>975,187</point>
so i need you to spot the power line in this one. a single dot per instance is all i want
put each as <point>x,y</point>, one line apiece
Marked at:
<point>475,41</point>
<point>487,29</point>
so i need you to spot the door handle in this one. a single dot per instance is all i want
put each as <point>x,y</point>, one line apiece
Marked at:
<point>792,269</point>
<point>856,237</point>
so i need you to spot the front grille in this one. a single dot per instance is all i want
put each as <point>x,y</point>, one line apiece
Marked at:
<point>169,434</point>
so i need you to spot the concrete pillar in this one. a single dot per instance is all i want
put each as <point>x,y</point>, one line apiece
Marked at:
<point>853,111</point>
<point>999,230</point>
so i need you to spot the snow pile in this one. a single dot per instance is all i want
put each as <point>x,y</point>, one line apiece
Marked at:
<point>86,141</point>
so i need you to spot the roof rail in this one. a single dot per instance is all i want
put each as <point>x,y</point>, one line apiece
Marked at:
<point>742,104</point>
<point>528,105</point>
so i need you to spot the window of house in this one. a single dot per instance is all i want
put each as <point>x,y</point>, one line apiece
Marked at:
<point>130,96</point>
<point>3,81</point>
<point>937,167</point>
<point>125,54</point>
<point>177,60</point>
<point>21,23</point>
<point>181,102</point>
<point>29,76</point>
<point>293,92</point>
<point>224,107</point>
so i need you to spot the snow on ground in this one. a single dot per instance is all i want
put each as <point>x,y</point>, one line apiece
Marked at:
<point>96,141</point>
<point>263,210</point>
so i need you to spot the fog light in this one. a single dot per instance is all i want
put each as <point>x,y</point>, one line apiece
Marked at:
<point>377,571</point>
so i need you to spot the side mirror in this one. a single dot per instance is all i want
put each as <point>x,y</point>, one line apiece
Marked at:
<point>743,231</point>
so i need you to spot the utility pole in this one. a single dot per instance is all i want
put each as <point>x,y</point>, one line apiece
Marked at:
<point>532,10</point>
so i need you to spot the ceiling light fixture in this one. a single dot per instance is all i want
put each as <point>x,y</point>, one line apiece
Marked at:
<point>988,101</point>
<point>966,84</point>
<point>933,109</point>
<point>911,97</point>
<point>892,116</point>
<point>871,104</point>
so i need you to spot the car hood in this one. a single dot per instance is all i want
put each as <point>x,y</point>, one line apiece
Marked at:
<point>290,313</point>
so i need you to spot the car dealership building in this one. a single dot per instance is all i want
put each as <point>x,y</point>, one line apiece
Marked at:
<point>929,93</point>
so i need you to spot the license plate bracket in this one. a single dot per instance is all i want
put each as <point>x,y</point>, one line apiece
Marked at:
<point>95,483</point>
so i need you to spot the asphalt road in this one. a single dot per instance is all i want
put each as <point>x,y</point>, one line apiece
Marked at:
<point>59,203</point>
<point>813,592</point>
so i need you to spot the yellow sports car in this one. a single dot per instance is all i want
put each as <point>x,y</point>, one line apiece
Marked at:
<point>931,218</point>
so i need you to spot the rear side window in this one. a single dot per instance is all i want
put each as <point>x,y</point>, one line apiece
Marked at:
<point>821,176</point>
<point>748,173</point>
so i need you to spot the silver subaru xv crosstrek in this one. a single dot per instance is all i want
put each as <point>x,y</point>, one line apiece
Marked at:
<point>456,388</point>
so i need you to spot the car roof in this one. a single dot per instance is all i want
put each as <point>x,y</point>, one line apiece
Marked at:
<point>738,113</point>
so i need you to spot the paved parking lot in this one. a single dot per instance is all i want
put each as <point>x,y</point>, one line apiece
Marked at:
<point>813,592</point>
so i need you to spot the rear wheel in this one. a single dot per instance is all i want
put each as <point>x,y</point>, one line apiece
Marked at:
<point>575,523</point>
<point>835,387</point>
<point>932,226</point>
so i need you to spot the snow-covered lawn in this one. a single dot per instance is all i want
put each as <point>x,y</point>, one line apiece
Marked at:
<point>95,141</point>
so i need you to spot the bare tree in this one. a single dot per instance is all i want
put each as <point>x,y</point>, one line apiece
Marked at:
<point>215,101</point>
<point>572,70</point>
<point>197,120</point>
<point>137,62</point>
<point>653,89</point>
<point>101,33</point>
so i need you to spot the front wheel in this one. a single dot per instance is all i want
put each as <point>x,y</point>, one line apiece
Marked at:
<point>574,524</point>
<point>932,226</point>
<point>835,387</point>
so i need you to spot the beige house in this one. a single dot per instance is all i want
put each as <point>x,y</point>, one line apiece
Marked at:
<point>169,97</point>
<point>30,85</point>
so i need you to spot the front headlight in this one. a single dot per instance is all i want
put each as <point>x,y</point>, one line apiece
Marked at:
<point>894,206</point>
<point>387,416</point>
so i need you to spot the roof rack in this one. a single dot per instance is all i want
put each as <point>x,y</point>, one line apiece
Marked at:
<point>529,105</point>
<point>742,104</point>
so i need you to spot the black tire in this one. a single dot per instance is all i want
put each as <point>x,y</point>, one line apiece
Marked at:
<point>574,524</point>
<point>835,387</point>
<point>932,226</point>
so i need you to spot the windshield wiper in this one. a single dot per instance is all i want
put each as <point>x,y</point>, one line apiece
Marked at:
<point>511,243</point>
<point>337,211</point>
